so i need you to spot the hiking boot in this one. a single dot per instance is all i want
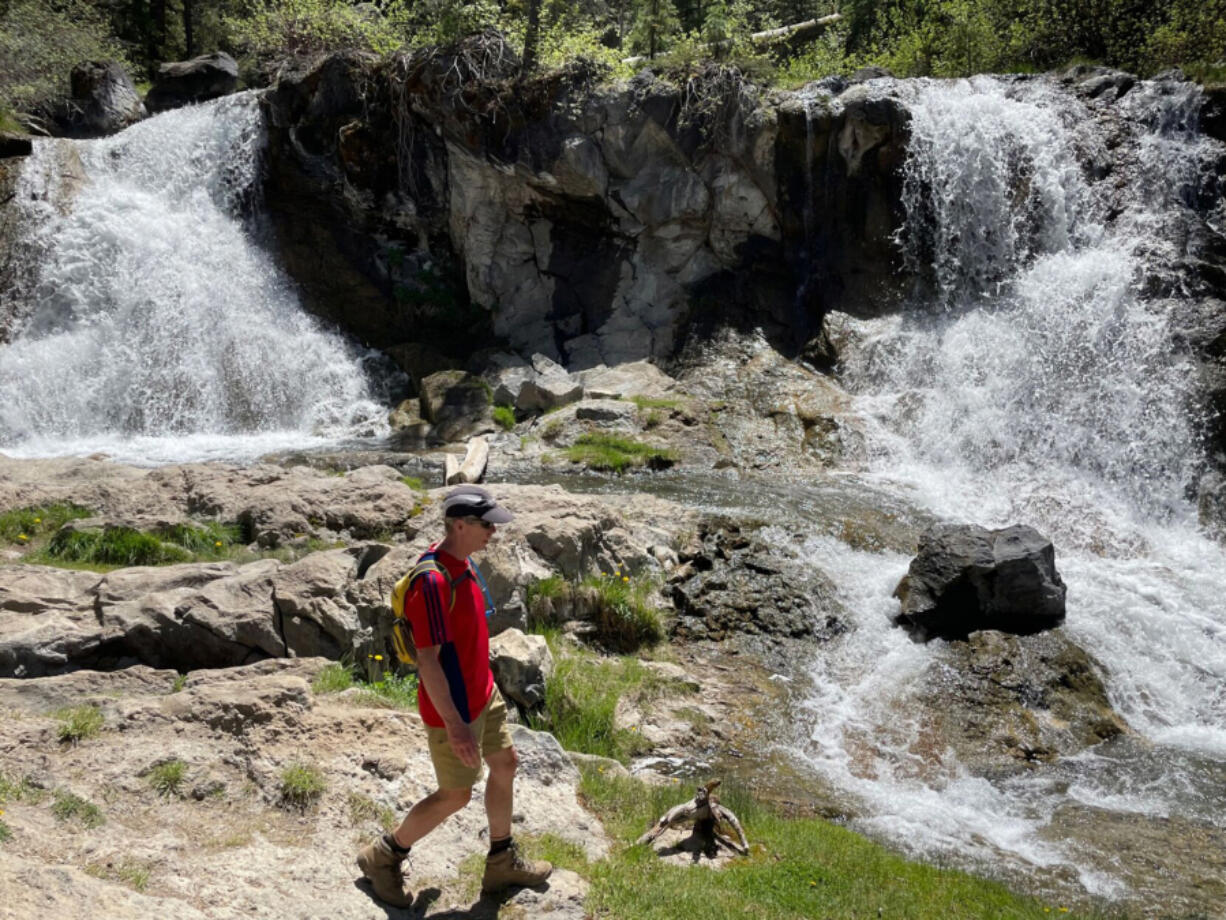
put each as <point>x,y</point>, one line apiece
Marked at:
<point>381,866</point>
<point>509,868</point>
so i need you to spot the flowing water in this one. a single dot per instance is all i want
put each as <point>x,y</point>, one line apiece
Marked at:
<point>155,326</point>
<point>1033,383</point>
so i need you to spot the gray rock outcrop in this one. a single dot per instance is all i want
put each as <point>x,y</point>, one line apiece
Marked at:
<point>104,99</point>
<point>967,578</point>
<point>180,83</point>
<point>521,665</point>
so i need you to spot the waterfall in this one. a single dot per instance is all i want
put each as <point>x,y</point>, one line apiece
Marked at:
<point>1037,383</point>
<point>157,327</point>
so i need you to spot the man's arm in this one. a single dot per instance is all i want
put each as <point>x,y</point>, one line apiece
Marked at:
<point>459,732</point>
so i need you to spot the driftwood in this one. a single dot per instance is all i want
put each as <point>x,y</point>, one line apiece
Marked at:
<point>797,33</point>
<point>708,818</point>
<point>471,468</point>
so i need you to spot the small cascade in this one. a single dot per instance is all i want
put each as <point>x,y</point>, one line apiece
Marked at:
<point>1038,383</point>
<point>158,327</point>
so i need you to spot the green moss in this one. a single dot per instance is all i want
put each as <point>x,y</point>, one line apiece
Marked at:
<point>616,454</point>
<point>504,416</point>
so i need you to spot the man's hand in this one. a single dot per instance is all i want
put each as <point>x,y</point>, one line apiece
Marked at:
<point>460,737</point>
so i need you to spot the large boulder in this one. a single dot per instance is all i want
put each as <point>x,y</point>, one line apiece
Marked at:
<point>521,664</point>
<point>457,404</point>
<point>732,584</point>
<point>967,578</point>
<point>181,83</point>
<point>104,99</point>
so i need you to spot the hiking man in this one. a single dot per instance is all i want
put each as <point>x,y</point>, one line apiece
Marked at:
<point>464,714</point>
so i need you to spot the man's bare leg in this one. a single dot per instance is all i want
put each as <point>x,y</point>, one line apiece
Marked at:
<point>429,813</point>
<point>499,792</point>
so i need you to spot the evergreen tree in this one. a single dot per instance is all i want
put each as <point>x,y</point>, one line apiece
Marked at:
<point>656,24</point>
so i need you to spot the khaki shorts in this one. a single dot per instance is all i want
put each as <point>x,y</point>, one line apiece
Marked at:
<point>490,730</point>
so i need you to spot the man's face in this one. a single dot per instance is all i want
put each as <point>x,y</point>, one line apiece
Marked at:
<point>474,534</point>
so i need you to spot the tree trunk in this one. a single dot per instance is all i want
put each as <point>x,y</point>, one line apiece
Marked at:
<point>188,37</point>
<point>532,37</point>
<point>797,31</point>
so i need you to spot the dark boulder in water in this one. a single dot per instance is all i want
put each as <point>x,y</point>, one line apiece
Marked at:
<point>967,578</point>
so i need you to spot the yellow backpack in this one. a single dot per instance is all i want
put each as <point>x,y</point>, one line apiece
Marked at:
<point>402,631</point>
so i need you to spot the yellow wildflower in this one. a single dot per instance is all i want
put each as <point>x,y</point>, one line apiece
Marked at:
<point>218,544</point>
<point>38,520</point>
<point>22,536</point>
<point>625,578</point>
<point>378,658</point>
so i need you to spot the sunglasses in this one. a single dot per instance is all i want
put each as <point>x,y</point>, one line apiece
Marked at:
<point>488,525</point>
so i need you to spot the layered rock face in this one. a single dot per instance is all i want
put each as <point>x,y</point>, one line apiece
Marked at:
<point>587,223</point>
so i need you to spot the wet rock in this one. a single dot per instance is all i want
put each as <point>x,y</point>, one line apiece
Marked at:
<point>15,145</point>
<point>181,83</point>
<point>967,578</point>
<point>1003,700</point>
<point>104,99</point>
<point>733,584</point>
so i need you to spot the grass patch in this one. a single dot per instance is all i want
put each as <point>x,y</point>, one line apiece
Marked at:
<point>625,615</point>
<point>504,416</point>
<point>616,454</point>
<point>78,723</point>
<point>127,871</point>
<point>18,789</point>
<point>581,699</point>
<point>167,778</point>
<point>391,691</point>
<point>6,832</point>
<point>333,678</point>
<point>648,402</point>
<point>71,807</point>
<point>302,786</point>
<point>414,483</point>
<point>25,525</point>
<point>363,810</point>
<point>118,547</point>
<point>797,867</point>
<point>179,684</point>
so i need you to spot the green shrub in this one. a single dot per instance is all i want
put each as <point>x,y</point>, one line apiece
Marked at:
<point>131,873</point>
<point>78,723</point>
<point>23,525</point>
<point>71,807</point>
<point>179,684</point>
<point>167,778</point>
<point>504,416</point>
<point>625,616</point>
<point>413,483</point>
<point>616,454</point>
<point>40,43</point>
<point>301,786</point>
<point>208,539</point>
<point>304,27</point>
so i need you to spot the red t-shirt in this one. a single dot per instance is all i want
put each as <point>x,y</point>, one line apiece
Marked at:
<point>460,633</point>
